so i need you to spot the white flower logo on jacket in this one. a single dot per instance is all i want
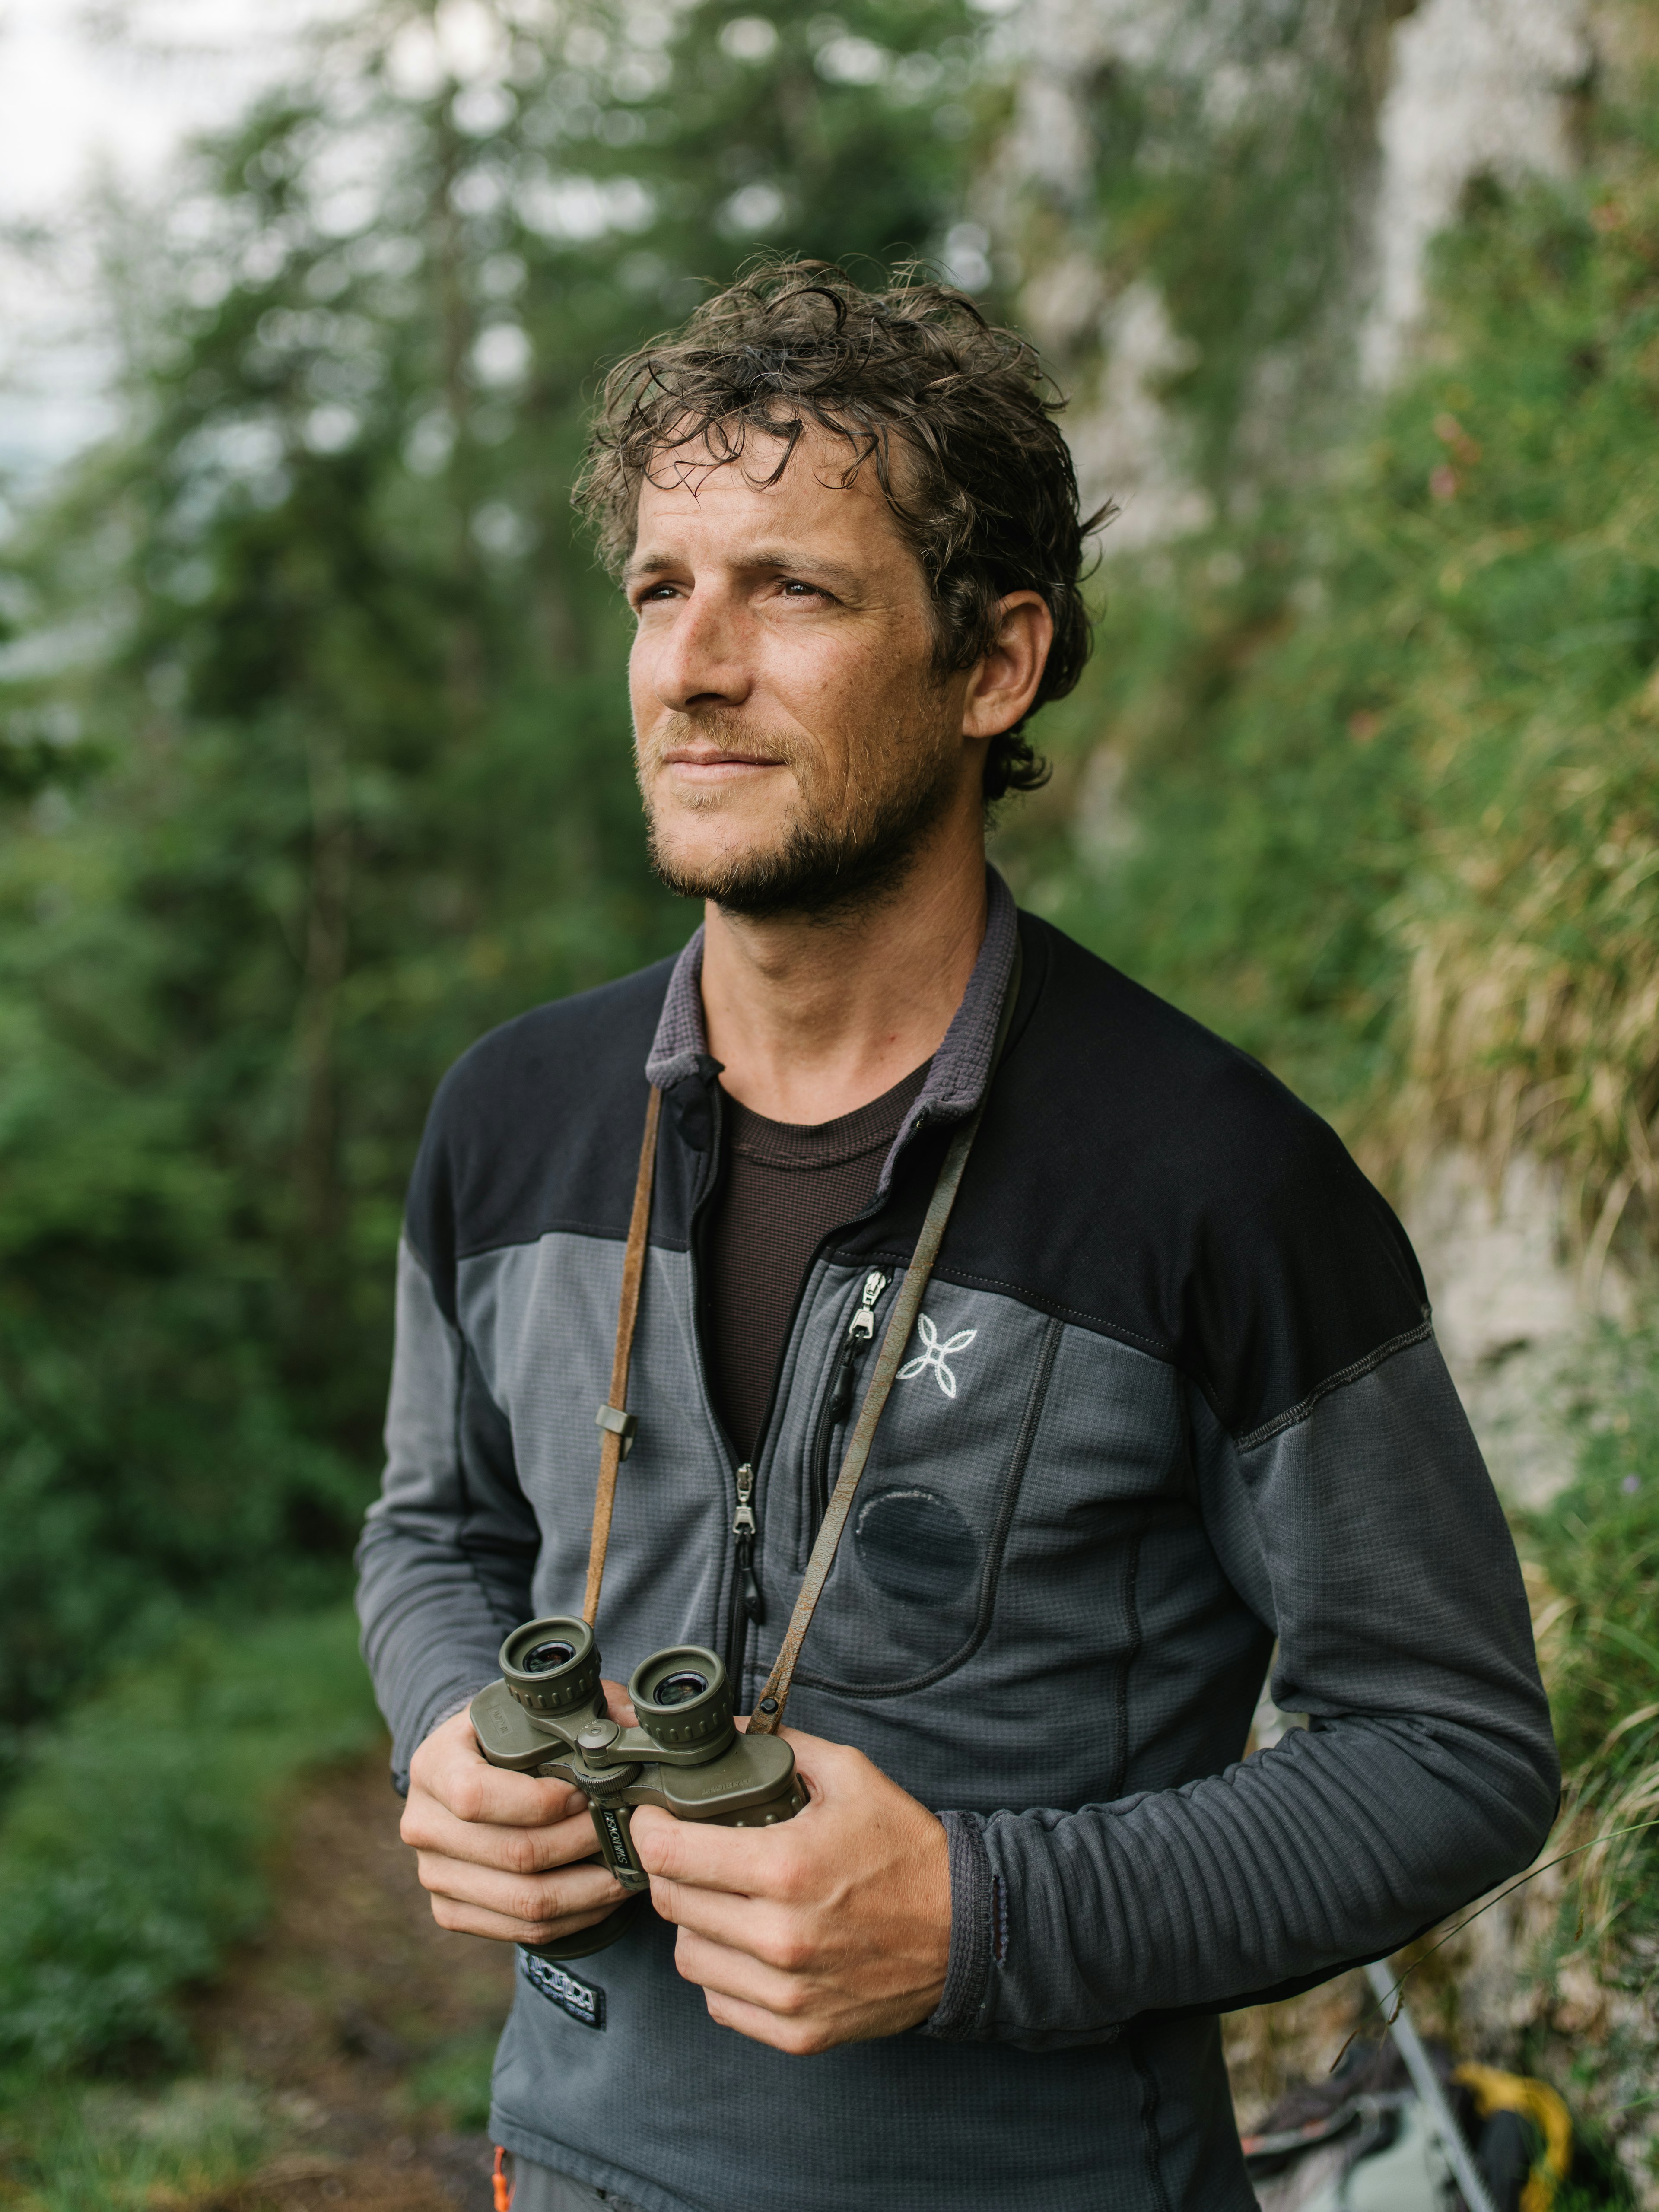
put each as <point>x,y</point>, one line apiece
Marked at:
<point>936,1355</point>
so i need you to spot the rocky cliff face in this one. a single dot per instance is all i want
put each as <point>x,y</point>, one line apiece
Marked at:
<point>1472,88</point>
<point>1323,142</point>
<point>1222,211</point>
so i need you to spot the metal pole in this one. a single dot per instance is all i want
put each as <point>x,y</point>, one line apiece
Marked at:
<point>1431,2095</point>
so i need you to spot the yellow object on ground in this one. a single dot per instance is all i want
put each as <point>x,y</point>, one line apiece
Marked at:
<point>1494,2091</point>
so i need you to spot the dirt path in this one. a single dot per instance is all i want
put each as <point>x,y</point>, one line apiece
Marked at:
<point>354,2015</point>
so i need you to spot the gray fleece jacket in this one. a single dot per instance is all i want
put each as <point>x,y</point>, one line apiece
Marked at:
<point>1174,1394</point>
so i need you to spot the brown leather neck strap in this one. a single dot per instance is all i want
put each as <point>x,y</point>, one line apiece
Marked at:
<point>617,1423</point>
<point>767,1715</point>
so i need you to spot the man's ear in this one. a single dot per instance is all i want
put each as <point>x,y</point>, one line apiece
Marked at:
<point>1002,686</point>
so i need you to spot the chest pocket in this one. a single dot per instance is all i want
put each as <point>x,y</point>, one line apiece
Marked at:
<point>913,1588</point>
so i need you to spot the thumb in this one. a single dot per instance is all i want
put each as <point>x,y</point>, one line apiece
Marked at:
<point>652,1829</point>
<point>829,1770</point>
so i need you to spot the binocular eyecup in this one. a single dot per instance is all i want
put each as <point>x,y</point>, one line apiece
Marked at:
<point>552,1666</point>
<point>681,1696</point>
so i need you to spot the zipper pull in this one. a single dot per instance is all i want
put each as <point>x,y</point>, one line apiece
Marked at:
<point>861,1330</point>
<point>743,1527</point>
<point>862,1326</point>
<point>743,1521</point>
<point>749,1584</point>
<point>838,1402</point>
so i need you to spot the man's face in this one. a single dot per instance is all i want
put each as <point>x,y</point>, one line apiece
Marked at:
<point>794,743</point>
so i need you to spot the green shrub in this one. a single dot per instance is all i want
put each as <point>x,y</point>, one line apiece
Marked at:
<point>1597,1550</point>
<point>131,1853</point>
<point>104,2149</point>
<point>453,2083</point>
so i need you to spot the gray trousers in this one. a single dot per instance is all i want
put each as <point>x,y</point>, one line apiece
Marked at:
<point>537,2189</point>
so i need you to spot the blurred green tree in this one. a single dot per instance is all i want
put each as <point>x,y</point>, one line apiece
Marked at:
<point>317,758</point>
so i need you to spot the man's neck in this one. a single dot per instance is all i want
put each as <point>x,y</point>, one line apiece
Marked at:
<point>813,1020</point>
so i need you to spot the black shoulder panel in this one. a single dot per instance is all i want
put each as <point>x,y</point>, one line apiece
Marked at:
<point>538,1127</point>
<point>1133,1174</point>
<point>1136,1174</point>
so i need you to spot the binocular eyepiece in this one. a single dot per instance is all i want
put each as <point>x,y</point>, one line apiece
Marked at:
<point>681,1696</point>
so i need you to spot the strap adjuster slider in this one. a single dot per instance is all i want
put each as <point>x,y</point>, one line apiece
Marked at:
<point>618,1423</point>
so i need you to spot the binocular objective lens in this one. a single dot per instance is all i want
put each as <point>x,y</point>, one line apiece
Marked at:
<point>677,1689</point>
<point>542,1658</point>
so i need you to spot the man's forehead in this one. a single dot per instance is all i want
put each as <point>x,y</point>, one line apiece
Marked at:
<point>767,454</point>
<point>787,501</point>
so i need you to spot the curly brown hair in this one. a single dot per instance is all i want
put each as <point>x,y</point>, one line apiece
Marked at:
<point>986,496</point>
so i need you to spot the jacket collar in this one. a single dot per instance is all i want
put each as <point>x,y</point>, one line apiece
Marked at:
<point>961,1067</point>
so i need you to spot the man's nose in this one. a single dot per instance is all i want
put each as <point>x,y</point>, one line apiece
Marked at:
<point>699,658</point>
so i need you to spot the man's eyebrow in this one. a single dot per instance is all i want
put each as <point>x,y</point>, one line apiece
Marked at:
<point>654,565</point>
<point>796,562</point>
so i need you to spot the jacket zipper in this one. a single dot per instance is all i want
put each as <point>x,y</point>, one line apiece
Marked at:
<point>747,1603</point>
<point>838,1399</point>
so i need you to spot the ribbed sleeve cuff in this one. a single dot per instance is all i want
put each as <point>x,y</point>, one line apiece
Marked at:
<point>978,1938</point>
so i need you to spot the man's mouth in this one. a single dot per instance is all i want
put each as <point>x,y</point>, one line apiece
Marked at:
<point>713,762</point>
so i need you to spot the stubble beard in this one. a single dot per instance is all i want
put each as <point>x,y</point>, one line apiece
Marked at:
<point>828,865</point>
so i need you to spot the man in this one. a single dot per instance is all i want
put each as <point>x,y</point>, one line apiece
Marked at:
<point>1173,1392</point>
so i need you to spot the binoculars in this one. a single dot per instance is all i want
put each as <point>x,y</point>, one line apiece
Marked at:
<point>547,1716</point>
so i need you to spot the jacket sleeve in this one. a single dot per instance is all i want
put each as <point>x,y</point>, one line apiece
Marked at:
<point>1363,1529</point>
<point>447,1553</point>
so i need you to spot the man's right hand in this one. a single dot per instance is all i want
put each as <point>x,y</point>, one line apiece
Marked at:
<point>503,1854</point>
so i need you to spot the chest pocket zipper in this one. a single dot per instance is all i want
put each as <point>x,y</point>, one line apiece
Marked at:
<point>747,1602</point>
<point>838,1399</point>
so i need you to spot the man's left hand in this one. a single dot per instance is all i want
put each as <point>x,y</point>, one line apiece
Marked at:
<point>830,1927</point>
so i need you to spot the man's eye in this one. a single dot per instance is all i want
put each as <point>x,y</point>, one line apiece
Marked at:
<point>795,588</point>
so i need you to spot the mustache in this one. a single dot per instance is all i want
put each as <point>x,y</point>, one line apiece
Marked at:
<point>731,732</point>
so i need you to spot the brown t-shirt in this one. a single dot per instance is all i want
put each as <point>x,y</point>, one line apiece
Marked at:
<point>787,1185</point>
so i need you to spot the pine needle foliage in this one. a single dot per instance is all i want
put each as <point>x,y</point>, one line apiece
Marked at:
<point>316,759</point>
